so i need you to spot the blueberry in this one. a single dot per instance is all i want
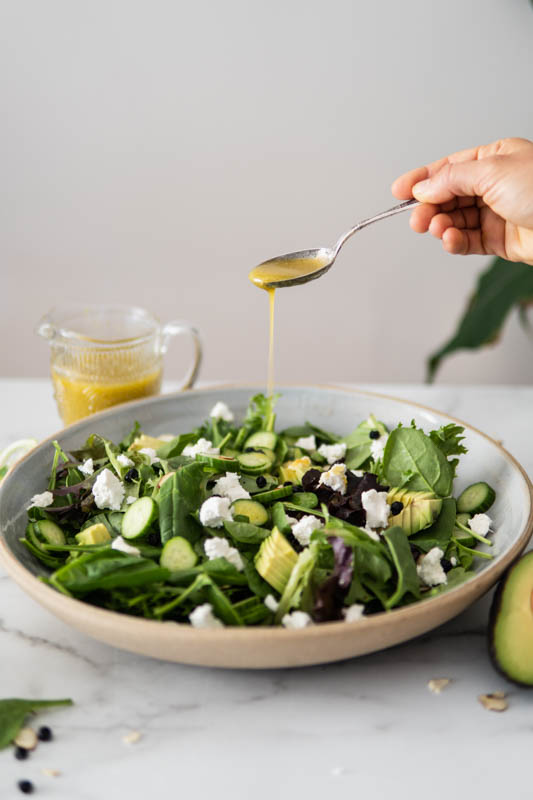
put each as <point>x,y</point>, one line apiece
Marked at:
<point>374,434</point>
<point>26,787</point>
<point>446,564</point>
<point>131,475</point>
<point>44,734</point>
<point>396,508</point>
<point>288,483</point>
<point>261,481</point>
<point>210,485</point>
<point>21,753</point>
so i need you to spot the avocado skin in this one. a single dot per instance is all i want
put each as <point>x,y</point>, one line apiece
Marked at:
<point>493,618</point>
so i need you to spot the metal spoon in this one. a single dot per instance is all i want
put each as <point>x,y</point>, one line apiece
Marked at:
<point>322,258</point>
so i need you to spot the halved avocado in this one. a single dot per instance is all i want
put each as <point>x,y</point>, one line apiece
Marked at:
<point>511,623</point>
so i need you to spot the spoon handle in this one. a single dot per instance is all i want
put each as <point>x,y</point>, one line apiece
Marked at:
<point>405,206</point>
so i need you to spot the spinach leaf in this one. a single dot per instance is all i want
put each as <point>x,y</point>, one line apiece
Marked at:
<point>219,569</point>
<point>412,460</point>
<point>502,286</point>
<point>246,533</point>
<point>222,607</point>
<point>179,497</point>
<point>13,713</point>
<point>358,442</point>
<point>256,583</point>
<point>107,569</point>
<point>373,570</point>
<point>408,581</point>
<point>440,533</point>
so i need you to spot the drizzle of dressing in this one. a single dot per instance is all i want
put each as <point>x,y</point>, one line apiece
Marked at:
<point>281,269</point>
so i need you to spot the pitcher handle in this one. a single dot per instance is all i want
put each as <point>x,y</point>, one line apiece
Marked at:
<point>177,328</point>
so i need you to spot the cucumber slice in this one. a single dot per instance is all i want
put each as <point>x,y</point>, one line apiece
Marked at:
<point>274,494</point>
<point>262,439</point>
<point>266,482</point>
<point>178,554</point>
<point>139,517</point>
<point>476,498</point>
<point>219,463</point>
<point>256,462</point>
<point>307,499</point>
<point>256,513</point>
<point>463,538</point>
<point>48,532</point>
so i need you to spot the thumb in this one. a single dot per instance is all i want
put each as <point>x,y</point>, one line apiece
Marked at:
<point>463,179</point>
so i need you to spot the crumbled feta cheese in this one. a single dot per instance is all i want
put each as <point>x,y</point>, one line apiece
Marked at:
<point>304,527</point>
<point>150,452</point>
<point>215,511</point>
<point>335,478</point>
<point>453,561</point>
<point>221,411</point>
<point>108,491</point>
<point>121,544</point>
<point>203,617</point>
<point>87,467</point>
<point>353,612</point>
<point>480,524</point>
<point>332,452</point>
<point>357,472</point>
<point>371,533</point>
<point>296,619</point>
<point>230,486</point>
<point>430,569</point>
<point>218,547</point>
<point>202,447</point>
<point>124,461</point>
<point>166,437</point>
<point>306,442</point>
<point>131,499</point>
<point>41,500</point>
<point>271,603</point>
<point>376,507</point>
<point>377,447</point>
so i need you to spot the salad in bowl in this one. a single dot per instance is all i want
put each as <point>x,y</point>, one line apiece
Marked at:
<point>238,524</point>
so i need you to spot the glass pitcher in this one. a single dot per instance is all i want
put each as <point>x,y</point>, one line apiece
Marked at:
<point>102,355</point>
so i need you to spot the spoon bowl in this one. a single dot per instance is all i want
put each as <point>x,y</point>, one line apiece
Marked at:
<point>303,266</point>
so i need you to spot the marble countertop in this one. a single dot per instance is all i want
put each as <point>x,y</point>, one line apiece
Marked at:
<point>368,727</point>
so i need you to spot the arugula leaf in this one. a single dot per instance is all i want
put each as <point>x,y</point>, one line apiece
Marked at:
<point>260,412</point>
<point>179,497</point>
<point>296,431</point>
<point>358,442</point>
<point>13,713</point>
<point>107,569</point>
<point>408,581</point>
<point>448,439</point>
<point>130,437</point>
<point>440,533</point>
<point>412,459</point>
<point>502,286</point>
<point>176,445</point>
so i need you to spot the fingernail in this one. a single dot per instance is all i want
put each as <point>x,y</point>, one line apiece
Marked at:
<point>420,189</point>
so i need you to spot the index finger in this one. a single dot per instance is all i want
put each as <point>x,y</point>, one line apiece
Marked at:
<point>402,186</point>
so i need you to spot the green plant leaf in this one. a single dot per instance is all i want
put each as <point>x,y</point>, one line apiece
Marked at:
<point>13,713</point>
<point>413,460</point>
<point>501,287</point>
<point>408,582</point>
<point>179,497</point>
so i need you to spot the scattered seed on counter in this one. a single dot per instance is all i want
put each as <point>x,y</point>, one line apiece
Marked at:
<point>51,773</point>
<point>436,685</point>
<point>132,737</point>
<point>26,738</point>
<point>495,701</point>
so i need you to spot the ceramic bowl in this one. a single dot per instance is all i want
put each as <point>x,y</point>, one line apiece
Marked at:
<point>337,409</point>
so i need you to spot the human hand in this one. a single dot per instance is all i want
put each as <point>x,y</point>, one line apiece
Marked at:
<point>477,201</point>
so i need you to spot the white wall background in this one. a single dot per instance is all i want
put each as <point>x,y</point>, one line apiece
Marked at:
<point>154,151</point>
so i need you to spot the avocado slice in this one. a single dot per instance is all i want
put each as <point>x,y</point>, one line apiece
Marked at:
<point>511,623</point>
<point>94,534</point>
<point>275,560</point>
<point>295,470</point>
<point>143,441</point>
<point>420,509</point>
